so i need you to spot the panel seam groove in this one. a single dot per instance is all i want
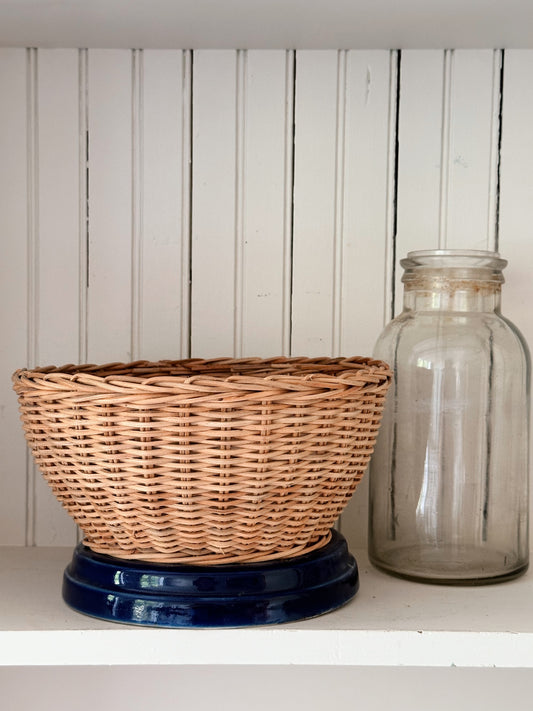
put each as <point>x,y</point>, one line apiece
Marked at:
<point>186,206</point>
<point>188,226</point>
<point>137,204</point>
<point>32,139</point>
<point>83,237</point>
<point>393,180</point>
<point>289,177</point>
<point>240,128</point>
<point>83,204</point>
<point>496,215</point>
<point>445,147</point>
<point>338,227</point>
<point>287,203</point>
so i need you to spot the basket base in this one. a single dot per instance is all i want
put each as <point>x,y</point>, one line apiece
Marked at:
<point>237,595</point>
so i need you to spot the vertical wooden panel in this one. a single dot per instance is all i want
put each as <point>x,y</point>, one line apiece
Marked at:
<point>516,192</point>
<point>419,159</point>
<point>344,170</point>
<point>59,246</point>
<point>32,147</point>
<point>343,199</point>
<point>367,225</point>
<point>266,184</point>
<point>448,136</point>
<point>368,198</point>
<point>315,199</point>
<point>214,203</point>
<point>13,288</point>
<point>165,196</point>
<point>420,146</point>
<point>137,192</point>
<point>83,59</point>
<point>110,205</point>
<point>470,220</point>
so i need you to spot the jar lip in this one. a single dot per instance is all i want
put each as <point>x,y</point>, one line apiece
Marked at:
<point>466,258</point>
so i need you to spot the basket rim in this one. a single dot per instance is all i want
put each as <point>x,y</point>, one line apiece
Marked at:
<point>239,374</point>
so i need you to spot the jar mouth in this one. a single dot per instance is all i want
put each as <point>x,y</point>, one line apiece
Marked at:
<point>454,258</point>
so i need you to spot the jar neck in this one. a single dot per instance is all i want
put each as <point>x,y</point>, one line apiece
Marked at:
<point>453,280</point>
<point>442,294</point>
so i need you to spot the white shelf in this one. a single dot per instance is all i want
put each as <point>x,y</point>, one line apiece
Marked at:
<point>390,622</point>
<point>281,24</point>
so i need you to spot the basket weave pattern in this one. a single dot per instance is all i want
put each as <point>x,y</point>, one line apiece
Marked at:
<point>196,461</point>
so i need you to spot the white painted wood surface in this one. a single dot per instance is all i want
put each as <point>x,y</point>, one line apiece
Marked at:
<point>364,256</point>
<point>154,205</point>
<point>15,294</point>
<point>214,205</point>
<point>241,203</point>
<point>265,193</point>
<point>163,193</point>
<point>364,266</point>
<point>110,131</point>
<point>60,238</point>
<point>318,185</point>
<point>516,193</point>
<point>469,154</point>
<point>448,152</point>
<point>420,126</point>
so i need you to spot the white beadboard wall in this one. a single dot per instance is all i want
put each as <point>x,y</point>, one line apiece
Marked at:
<point>161,204</point>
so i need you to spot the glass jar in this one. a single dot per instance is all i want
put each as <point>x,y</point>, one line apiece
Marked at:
<point>449,475</point>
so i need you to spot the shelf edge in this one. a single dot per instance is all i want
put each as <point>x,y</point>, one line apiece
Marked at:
<point>281,646</point>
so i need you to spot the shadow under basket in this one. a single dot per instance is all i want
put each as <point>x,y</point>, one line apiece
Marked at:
<point>194,468</point>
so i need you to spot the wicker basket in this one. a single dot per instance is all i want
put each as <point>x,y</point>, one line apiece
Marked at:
<point>204,461</point>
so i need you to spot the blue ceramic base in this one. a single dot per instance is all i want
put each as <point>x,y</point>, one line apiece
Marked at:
<point>142,593</point>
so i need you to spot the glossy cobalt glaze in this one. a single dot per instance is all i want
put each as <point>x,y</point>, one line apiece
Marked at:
<point>211,596</point>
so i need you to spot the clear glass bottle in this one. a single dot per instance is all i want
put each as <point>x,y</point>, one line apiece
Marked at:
<point>449,475</point>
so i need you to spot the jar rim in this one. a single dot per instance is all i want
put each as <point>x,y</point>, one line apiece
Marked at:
<point>467,258</point>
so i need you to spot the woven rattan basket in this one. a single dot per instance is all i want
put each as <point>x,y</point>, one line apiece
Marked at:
<point>204,461</point>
